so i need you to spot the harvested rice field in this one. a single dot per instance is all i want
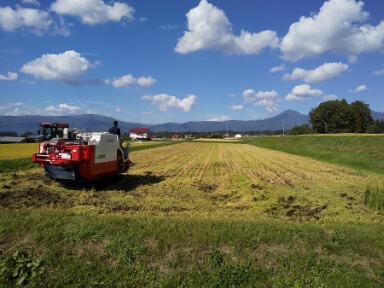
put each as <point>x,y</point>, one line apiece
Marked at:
<point>206,179</point>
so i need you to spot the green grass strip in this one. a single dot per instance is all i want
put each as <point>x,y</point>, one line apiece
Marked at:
<point>85,250</point>
<point>360,152</point>
<point>13,165</point>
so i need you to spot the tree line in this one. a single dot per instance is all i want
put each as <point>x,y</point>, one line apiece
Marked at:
<point>338,116</point>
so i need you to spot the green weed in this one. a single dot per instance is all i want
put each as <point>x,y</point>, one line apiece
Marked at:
<point>19,268</point>
<point>216,258</point>
<point>374,197</point>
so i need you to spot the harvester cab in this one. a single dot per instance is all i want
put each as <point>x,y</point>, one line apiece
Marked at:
<point>89,156</point>
<point>49,130</point>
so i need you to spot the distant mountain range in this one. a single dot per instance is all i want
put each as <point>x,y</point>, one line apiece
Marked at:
<point>93,122</point>
<point>377,115</point>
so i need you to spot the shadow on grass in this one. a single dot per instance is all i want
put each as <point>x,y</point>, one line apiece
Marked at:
<point>97,193</point>
<point>122,182</point>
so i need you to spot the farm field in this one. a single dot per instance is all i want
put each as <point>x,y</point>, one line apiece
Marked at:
<point>198,214</point>
<point>15,151</point>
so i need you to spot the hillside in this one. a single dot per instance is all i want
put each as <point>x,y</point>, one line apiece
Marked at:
<point>377,115</point>
<point>86,122</point>
<point>93,122</point>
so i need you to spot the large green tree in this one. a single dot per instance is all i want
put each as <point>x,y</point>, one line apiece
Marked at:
<point>339,117</point>
<point>300,130</point>
<point>361,117</point>
<point>330,117</point>
<point>377,127</point>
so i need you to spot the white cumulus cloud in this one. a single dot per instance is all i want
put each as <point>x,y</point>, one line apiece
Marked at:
<point>209,28</point>
<point>338,27</point>
<point>322,73</point>
<point>165,102</point>
<point>124,81</point>
<point>63,109</point>
<point>277,68</point>
<point>10,76</point>
<point>269,105</point>
<point>267,99</point>
<point>146,81</point>
<point>34,20</point>
<point>329,97</point>
<point>220,118</point>
<point>129,80</point>
<point>93,11</point>
<point>303,92</point>
<point>250,95</point>
<point>20,108</point>
<point>66,67</point>
<point>359,89</point>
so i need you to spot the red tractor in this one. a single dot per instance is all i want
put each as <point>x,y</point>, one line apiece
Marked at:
<point>90,156</point>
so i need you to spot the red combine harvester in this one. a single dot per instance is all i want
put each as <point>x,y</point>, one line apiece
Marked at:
<point>90,156</point>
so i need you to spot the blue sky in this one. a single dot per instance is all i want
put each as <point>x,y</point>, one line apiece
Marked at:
<point>177,61</point>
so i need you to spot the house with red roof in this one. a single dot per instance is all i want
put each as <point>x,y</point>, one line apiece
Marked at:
<point>139,133</point>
